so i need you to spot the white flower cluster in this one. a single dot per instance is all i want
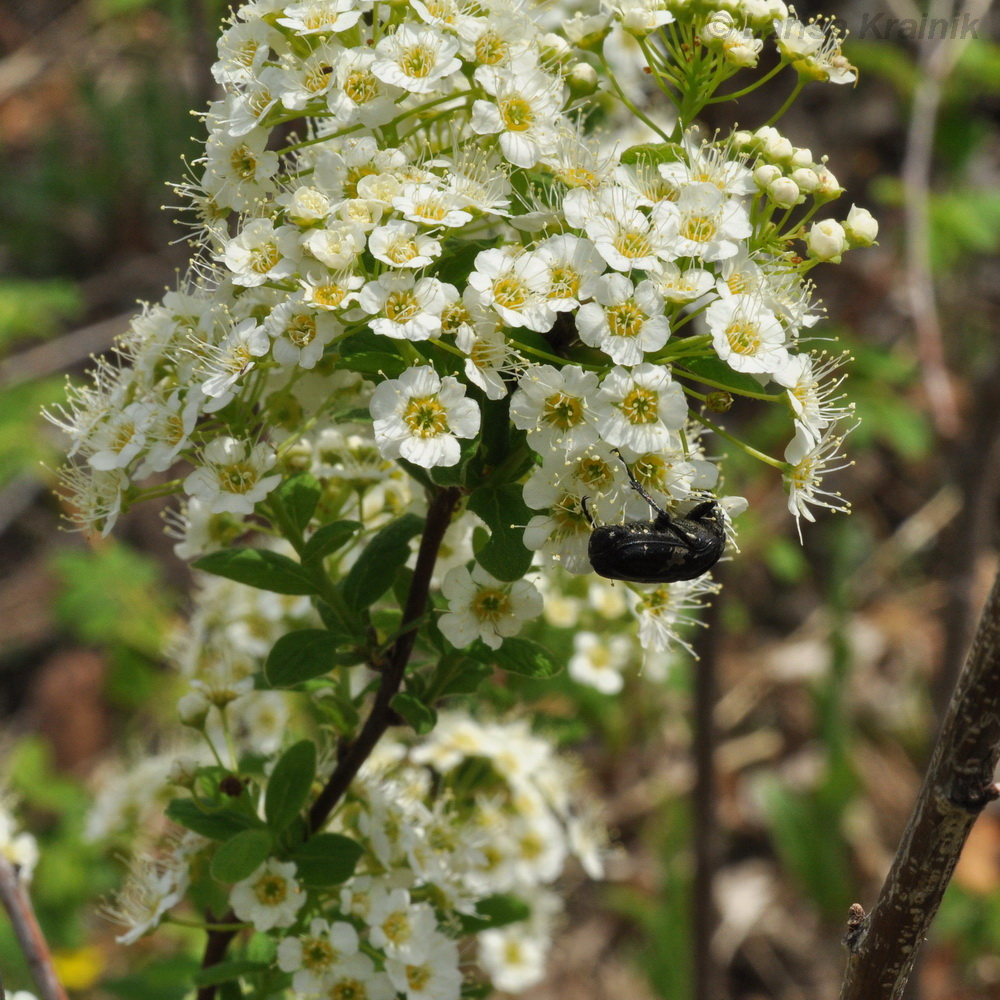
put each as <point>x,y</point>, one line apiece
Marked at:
<point>19,848</point>
<point>474,811</point>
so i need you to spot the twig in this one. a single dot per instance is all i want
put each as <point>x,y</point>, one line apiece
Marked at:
<point>703,913</point>
<point>937,59</point>
<point>381,716</point>
<point>883,945</point>
<point>29,935</point>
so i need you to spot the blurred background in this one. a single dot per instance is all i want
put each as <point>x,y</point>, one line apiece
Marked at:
<point>827,665</point>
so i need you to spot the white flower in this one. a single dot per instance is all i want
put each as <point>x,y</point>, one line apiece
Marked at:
<point>681,286</point>
<point>330,292</point>
<point>233,358</point>
<point>826,240</point>
<point>437,977</point>
<point>356,978</point>
<point>238,169</point>
<point>262,253</point>
<point>574,266</point>
<point>597,663</point>
<point>120,437</point>
<point>709,224</point>
<point>337,245</point>
<point>626,321</point>
<point>316,17</point>
<point>516,287</point>
<point>513,957</point>
<point>416,58</point>
<point>625,237</point>
<point>640,17</point>
<point>640,409</point>
<point>490,357</point>
<point>809,460</point>
<point>556,406</point>
<point>669,608</point>
<point>300,333</point>
<point>398,244</point>
<point>313,956</point>
<point>153,886</point>
<point>19,849</point>
<point>746,335</point>
<point>270,897</point>
<point>523,110</point>
<point>860,227</point>
<point>420,416</point>
<point>404,930</point>
<point>814,405</point>
<point>431,206</point>
<point>359,95</point>
<point>168,431</point>
<point>407,309</point>
<point>479,605</point>
<point>231,477</point>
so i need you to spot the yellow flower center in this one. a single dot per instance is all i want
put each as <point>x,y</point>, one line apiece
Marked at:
<point>426,417</point>
<point>632,245</point>
<point>625,320</point>
<point>302,330</point>
<point>317,78</point>
<point>348,989</point>
<point>565,283</point>
<point>397,927</point>
<point>453,317</point>
<point>402,306</point>
<point>516,114</point>
<point>491,605</point>
<point>271,889</point>
<point>417,61</point>
<point>562,411</point>
<point>329,296</point>
<point>578,177</point>
<point>418,976</point>
<point>640,406</point>
<point>317,954</point>
<point>401,250</point>
<point>354,174</point>
<point>361,86</point>
<point>698,229</point>
<point>743,337</point>
<point>244,162</point>
<point>594,472</point>
<point>491,48</point>
<point>264,257</point>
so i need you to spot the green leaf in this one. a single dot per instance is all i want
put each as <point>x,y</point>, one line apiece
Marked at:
<point>259,568</point>
<point>225,971</point>
<point>520,656</point>
<point>219,825</point>
<point>653,153</point>
<point>299,496</point>
<point>505,512</point>
<point>240,856</point>
<point>329,538</point>
<point>421,717</point>
<point>718,371</point>
<point>372,575</point>
<point>374,363</point>
<point>468,679</point>
<point>301,655</point>
<point>495,911</point>
<point>289,784</point>
<point>326,859</point>
<point>458,258</point>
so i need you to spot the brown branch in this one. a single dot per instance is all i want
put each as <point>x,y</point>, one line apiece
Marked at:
<point>381,716</point>
<point>883,945</point>
<point>29,935</point>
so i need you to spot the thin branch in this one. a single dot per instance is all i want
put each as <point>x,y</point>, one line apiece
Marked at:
<point>960,781</point>
<point>937,59</point>
<point>29,935</point>
<point>381,716</point>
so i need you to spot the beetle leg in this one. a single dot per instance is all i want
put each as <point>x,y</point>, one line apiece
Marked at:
<point>586,512</point>
<point>638,487</point>
<point>666,523</point>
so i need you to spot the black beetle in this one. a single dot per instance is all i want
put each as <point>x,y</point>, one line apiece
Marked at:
<point>666,550</point>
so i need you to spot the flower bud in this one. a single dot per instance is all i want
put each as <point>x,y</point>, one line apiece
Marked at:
<point>193,709</point>
<point>826,241</point>
<point>554,48</point>
<point>828,188</point>
<point>802,157</point>
<point>307,205</point>
<point>741,48</point>
<point>778,147</point>
<point>183,771</point>
<point>806,179</point>
<point>784,192</point>
<point>719,402</point>
<point>861,227</point>
<point>765,175</point>
<point>742,139</point>
<point>582,80</point>
<point>588,31</point>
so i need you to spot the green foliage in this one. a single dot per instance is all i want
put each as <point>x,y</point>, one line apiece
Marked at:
<point>496,911</point>
<point>297,497</point>
<point>289,784</point>
<point>22,447</point>
<point>419,715</point>
<point>326,859</point>
<point>36,309</point>
<point>372,575</point>
<point>519,656</point>
<point>216,824</point>
<point>327,539</point>
<point>259,568</point>
<point>240,856</point>
<point>301,656</point>
<point>505,513</point>
<point>113,596</point>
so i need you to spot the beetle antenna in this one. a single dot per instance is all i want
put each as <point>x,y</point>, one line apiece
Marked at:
<point>586,511</point>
